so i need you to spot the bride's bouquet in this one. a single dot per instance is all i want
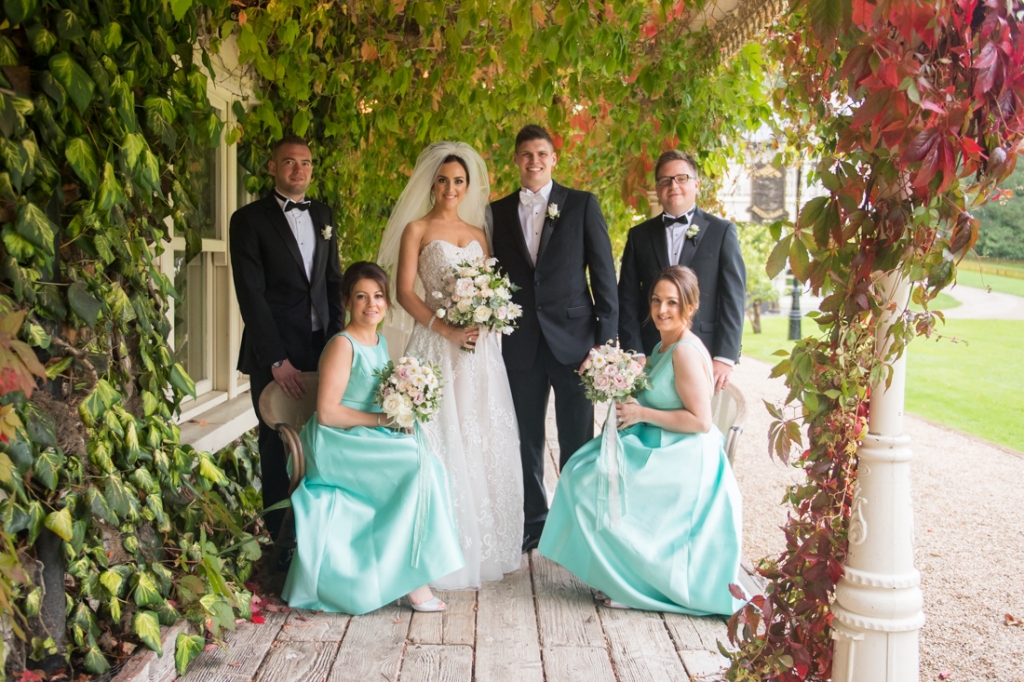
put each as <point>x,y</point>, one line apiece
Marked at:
<point>610,373</point>
<point>409,391</point>
<point>476,293</point>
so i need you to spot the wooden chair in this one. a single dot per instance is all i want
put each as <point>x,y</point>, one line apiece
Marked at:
<point>727,412</point>
<point>288,416</point>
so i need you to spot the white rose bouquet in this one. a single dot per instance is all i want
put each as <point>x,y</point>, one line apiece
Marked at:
<point>476,293</point>
<point>610,373</point>
<point>410,391</point>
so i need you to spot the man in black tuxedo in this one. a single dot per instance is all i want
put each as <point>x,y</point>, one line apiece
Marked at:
<point>685,235</point>
<point>284,258</point>
<point>547,237</point>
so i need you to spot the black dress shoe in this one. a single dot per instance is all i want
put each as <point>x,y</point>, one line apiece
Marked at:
<point>530,542</point>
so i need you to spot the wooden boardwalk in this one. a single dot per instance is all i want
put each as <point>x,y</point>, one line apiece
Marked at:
<point>539,624</point>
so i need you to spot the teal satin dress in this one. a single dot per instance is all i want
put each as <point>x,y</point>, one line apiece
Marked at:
<point>356,509</point>
<point>677,545</point>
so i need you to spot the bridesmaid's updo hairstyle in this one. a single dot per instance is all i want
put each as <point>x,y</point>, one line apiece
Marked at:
<point>685,280</point>
<point>455,158</point>
<point>364,270</point>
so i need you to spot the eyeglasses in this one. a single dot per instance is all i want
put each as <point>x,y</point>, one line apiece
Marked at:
<point>678,179</point>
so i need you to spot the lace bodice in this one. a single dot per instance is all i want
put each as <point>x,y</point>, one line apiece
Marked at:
<point>435,260</point>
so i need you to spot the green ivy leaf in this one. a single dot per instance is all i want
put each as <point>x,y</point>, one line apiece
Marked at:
<point>41,40</point>
<point>799,260</point>
<point>98,505</point>
<point>17,246</point>
<point>7,470</point>
<point>186,649</point>
<point>53,89</point>
<point>74,78</point>
<point>111,35</point>
<point>147,627</point>
<point>95,661</point>
<point>210,471</point>
<point>102,397</point>
<point>117,495</point>
<point>110,192</point>
<point>60,523</point>
<point>80,156</point>
<point>69,26</point>
<point>113,581</point>
<point>146,592</point>
<point>19,10</point>
<point>83,303</point>
<point>33,225</point>
<point>132,147</point>
<point>182,381</point>
<point>33,601</point>
<point>47,468</point>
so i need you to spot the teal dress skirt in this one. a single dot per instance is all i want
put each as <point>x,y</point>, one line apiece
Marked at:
<point>676,545</point>
<point>369,498</point>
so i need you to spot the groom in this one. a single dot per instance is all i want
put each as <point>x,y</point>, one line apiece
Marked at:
<point>685,235</point>
<point>547,238</point>
<point>284,258</point>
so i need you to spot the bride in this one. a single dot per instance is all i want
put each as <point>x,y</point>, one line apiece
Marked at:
<point>436,223</point>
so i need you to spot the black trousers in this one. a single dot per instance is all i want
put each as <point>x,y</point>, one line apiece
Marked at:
<point>574,416</point>
<point>273,461</point>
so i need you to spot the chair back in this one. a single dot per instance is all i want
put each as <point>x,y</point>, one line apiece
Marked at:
<point>727,412</point>
<point>276,408</point>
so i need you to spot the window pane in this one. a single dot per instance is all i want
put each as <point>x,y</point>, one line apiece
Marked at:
<point>190,333</point>
<point>204,187</point>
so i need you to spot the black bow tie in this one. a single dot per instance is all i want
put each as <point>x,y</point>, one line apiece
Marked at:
<point>289,204</point>
<point>670,221</point>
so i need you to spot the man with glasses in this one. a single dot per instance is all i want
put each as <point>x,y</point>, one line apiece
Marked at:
<point>685,235</point>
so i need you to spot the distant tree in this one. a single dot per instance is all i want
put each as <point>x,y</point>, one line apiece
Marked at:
<point>1002,222</point>
<point>756,243</point>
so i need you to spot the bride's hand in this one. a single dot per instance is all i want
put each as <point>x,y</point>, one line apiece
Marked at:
<point>463,336</point>
<point>629,413</point>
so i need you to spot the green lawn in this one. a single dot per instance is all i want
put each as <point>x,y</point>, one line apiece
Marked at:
<point>941,302</point>
<point>1004,285</point>
<point>973,385</point>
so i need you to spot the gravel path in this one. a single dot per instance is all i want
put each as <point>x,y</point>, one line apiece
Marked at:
<point>980,304</point>
<point>969,515</point>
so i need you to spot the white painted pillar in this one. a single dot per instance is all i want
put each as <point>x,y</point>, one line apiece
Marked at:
<point>878,601</point>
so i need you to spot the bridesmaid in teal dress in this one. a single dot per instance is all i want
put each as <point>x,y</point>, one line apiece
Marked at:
<point>677,546</point>
<point>356,509</point>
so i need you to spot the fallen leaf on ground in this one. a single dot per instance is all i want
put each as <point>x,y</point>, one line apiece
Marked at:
<point>1009,619</point>
<point>234,665</point>
<point>259,620</point>
<point>397,621</point>
<point>945,674</point>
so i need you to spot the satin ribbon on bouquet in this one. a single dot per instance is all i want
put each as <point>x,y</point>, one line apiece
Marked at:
<point>426,472</point>
<point>611,473</point>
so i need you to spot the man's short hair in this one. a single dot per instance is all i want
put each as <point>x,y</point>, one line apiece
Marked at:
<point>533,132</point>
<point>674,155</point>
<point>290,138</point>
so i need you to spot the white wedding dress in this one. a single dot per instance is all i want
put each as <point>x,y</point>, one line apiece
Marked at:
<point>475,435</point>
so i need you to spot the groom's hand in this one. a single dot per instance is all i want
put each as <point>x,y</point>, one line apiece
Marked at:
<point>722,371</point>
<point>287,377</point>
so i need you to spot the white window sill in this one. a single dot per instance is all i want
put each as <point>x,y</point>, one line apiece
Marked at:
<point>217,425</point>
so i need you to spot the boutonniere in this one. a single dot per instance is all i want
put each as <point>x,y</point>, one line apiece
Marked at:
<point>553,212</point>
<point>327,231</point>
<point>692,231</point>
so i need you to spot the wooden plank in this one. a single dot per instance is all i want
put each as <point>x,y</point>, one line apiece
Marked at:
<point>565,607</point>
<point>373,646</point>
<point>290,661</point>
<point>506,642</point>
<point>455,625</point>
<point>429,663</point>
<point>314,626</point>
<point>692,633</point>
<point>640,646</point>
<point>704,666</point>
<point>749,580</point>
<point>577,664</point>
<point>242,655</point>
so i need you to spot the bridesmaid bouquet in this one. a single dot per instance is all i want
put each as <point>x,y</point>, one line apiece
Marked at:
<point>410,391</point>
<point>610,373</point>
<point>476,293</point>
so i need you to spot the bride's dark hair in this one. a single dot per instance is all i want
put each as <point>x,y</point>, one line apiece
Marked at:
<point>453,158</point>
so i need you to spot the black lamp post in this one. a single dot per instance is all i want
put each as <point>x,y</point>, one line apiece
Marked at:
<point>794,313</point>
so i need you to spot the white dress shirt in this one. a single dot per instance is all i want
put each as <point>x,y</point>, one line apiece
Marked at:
<point>301,224</point>
<point>531,216</point>
<point>676,235</point>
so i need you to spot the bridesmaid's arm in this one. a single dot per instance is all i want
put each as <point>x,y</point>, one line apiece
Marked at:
<point>693,387</point>
<point>335,370</point>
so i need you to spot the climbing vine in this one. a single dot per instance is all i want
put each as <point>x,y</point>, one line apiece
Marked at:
<point>372,82</point>
<point>916,111</point>
<point>103,107</point>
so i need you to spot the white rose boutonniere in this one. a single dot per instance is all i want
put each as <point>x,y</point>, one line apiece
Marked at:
<point>553,211</point>
<point>327,231</point>
<point>692,231</point>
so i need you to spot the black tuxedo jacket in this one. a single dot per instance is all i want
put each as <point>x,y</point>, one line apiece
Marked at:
<point>714,256</point>
<point>558,303</point>
<point>273,293</point>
